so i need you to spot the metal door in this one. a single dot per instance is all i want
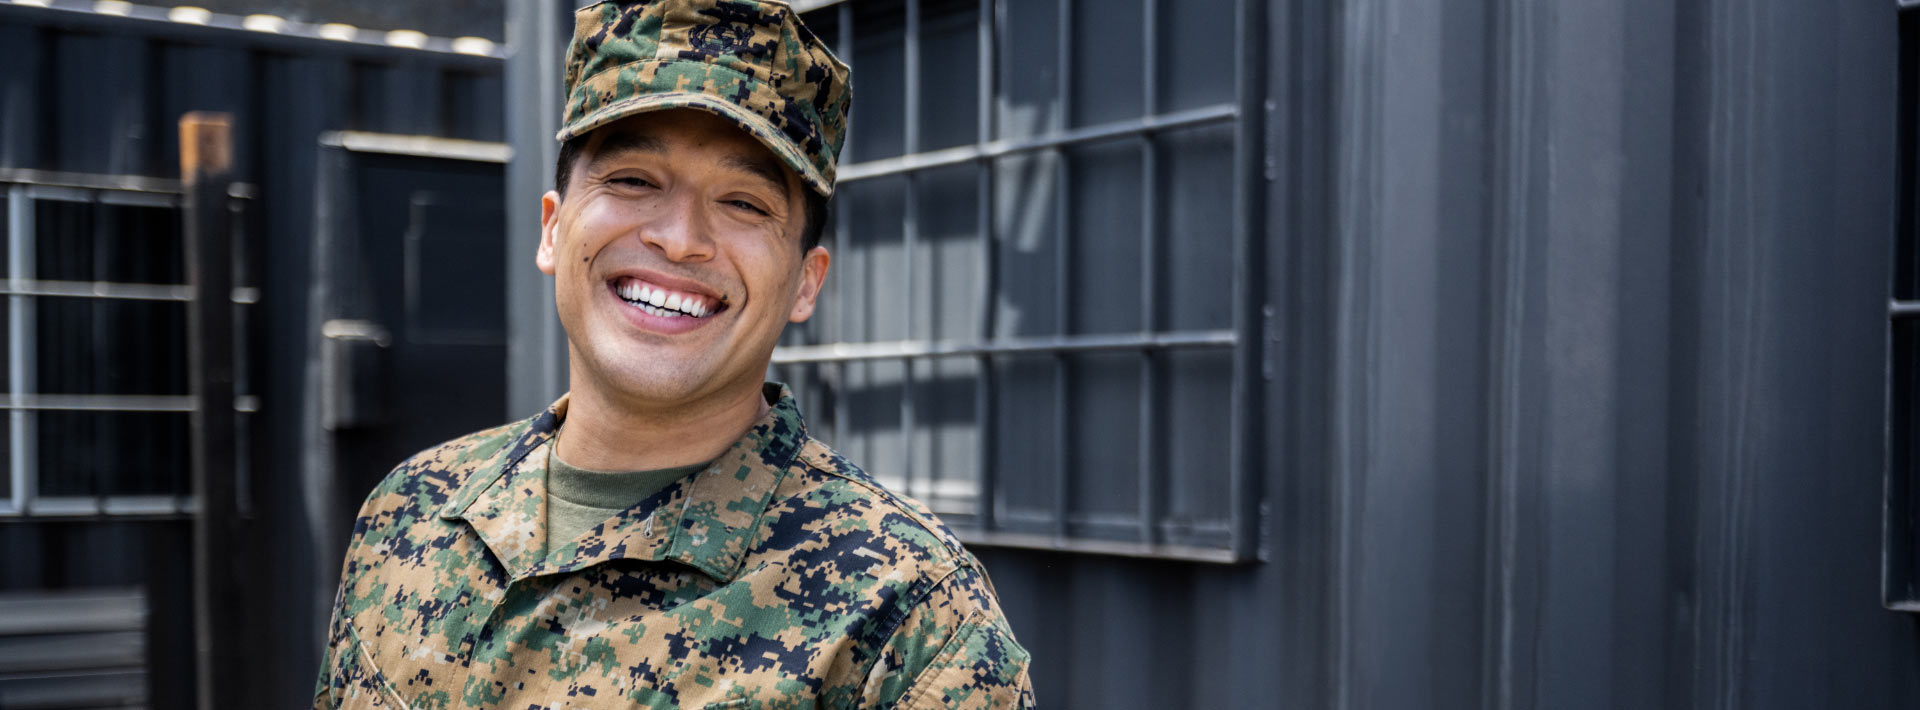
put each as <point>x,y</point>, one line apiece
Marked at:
<point>409,291</point>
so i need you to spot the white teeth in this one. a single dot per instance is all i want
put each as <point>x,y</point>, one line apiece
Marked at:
<point>663,303</point>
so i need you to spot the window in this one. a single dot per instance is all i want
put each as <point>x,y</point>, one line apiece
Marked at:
<point>1901,556</point>
<point>97,397</point>
<point>1038,313</point>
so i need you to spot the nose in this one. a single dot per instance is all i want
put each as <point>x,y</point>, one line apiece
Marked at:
<point>678,231</point>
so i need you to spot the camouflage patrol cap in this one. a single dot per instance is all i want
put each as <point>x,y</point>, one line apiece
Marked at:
<point>749,61</point>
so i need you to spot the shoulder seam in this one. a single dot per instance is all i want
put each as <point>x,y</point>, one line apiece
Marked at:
<point>906,610</point>
<point>960,558</point>
<point>920,687</point>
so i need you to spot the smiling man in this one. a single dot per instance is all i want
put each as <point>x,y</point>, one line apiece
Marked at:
<point>668,535</point>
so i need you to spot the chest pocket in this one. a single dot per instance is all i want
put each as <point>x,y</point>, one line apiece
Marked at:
<point>355,683</point>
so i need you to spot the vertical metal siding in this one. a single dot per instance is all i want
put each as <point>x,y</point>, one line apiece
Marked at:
<point>1607,427</point>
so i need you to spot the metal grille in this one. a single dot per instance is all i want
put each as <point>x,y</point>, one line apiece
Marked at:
<point>97,397</point>
<point>1038,313</point>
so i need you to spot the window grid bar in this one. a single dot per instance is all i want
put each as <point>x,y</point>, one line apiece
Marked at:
<point>1091,546</point>
<point>1243,435</point>
<point>159,507</point>
<point>841,243</point>
<point>88,195</point>
<point>1020,345</point>
<point>24,402</point>
<point>132,190</point>
<point>1903,309</point>
<point>1149,472</point>
<point>97,311</point>
<point>1061,138</point>
<point>86,181</point>
<point>909,238</point>
<point>983,402</point>
<point>20,226</point>
<point>1063,276</point>
<point>115,290</point>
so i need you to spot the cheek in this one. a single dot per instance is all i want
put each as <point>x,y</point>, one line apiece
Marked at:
<point>588,233</point>
<point>768,275</point>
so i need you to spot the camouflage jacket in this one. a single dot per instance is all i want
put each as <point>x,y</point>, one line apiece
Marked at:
<point>781,576</point>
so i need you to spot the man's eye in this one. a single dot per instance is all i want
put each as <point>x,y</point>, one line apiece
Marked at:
<point>748,206</point>
<point>631,181</point>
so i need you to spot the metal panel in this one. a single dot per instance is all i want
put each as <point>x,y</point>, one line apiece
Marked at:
<point>536,345</point>
<point>1567,361</point>
<point>84,138</point>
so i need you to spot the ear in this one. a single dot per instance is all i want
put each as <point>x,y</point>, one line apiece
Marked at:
<point>549,216</point>
<point>813,275</point>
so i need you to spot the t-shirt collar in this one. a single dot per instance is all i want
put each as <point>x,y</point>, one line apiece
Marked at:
<point>705,520</point>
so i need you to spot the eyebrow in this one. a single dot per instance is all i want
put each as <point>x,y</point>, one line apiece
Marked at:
<point>622,142</point>
<point>761,166</point>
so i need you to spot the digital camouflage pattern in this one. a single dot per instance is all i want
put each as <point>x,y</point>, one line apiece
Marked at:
<point>750,61</point>
<point>779,577</point>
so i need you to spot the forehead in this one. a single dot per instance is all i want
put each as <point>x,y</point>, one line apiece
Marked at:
<point>680,132</point>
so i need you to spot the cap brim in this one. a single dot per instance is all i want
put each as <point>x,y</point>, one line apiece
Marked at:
<point>754,124</point>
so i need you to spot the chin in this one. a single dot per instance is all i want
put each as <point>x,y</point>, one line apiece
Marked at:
<point>658,382</point>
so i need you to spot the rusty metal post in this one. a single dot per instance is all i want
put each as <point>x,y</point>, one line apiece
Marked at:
<point>206,166</point>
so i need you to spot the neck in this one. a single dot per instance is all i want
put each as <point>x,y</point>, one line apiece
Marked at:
<point>604,435</point>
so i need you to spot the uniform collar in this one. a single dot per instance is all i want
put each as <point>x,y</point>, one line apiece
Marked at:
<point>705,520</point>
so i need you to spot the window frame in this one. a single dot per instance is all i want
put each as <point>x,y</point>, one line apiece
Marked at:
<point>1250,320</point>
<point>22,404</point>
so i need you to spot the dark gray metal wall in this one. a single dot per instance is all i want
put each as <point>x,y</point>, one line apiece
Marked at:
<point>86,93</point>
<point>1577,393</point>
<point>1604,360</point>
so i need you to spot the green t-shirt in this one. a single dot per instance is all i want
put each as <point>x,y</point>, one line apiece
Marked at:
<point>579,499</point>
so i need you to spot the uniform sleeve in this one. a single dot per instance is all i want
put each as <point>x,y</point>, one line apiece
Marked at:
<point>953,650</point>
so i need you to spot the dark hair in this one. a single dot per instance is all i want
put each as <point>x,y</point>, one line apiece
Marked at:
<point>809,234</point>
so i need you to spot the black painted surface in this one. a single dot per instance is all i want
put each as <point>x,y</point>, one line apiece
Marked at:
<point>405,238</point>
<point>84,93</point>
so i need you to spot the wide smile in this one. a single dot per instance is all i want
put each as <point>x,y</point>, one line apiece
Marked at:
<point>661,307</point>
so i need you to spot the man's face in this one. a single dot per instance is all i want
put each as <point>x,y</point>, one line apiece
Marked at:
<point>676,259</point>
